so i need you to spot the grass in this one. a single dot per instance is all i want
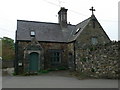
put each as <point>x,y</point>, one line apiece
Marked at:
<point>43,71</point>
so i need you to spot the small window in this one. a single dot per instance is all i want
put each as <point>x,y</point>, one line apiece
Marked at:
<point>94,20</point>
<point>94,40</point>
<point>93,24</point>
<point>32,33</point>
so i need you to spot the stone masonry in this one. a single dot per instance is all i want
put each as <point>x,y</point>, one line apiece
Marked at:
<point>100,61</point>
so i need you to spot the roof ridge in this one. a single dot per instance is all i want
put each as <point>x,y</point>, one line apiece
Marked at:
<point>37,22</point>
<point>83,21</point>
<point>42,22</point>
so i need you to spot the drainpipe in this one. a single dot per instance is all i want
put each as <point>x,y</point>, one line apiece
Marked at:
<point>74,56</point>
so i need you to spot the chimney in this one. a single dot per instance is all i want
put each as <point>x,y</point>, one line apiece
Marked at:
<point>62,17</point>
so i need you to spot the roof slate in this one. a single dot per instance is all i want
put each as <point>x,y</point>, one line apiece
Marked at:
<point>51,32</point>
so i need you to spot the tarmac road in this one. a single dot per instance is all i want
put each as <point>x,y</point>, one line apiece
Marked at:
<point>55,81</point>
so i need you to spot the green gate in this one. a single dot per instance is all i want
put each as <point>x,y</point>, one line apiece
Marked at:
<point>33,66</point>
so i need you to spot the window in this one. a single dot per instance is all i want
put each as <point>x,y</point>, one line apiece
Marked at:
<point>32,33</point>
<point>55,56</point>
<point>94,40</point>
<point>93,24</point>
<point>94,20</point>
<point>77,31</point>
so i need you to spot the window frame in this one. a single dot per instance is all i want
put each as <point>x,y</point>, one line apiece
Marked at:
<point>31,33</point>
<point>55,56</point>
<point>94,40</point>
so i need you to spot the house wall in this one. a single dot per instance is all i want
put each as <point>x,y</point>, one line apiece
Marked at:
<point>71,56</point>
<point>89,32</point>
<point>47,54</point>
<point>7,64</point>
<point>67,54</point>
<point>67,51</point>
<point>19,51</point>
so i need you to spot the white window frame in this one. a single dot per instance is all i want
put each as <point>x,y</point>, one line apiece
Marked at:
<point>32,33</point>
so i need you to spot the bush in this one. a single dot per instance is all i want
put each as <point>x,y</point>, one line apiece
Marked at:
<point>58,68</point>
<point>61,68</point>
<point>52,69</point>
<point>43,71</point>
<point>14,74</point>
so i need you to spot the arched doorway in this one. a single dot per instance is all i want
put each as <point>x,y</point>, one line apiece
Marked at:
<point>33,65</point>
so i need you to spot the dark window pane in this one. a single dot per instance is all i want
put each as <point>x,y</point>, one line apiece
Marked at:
<point>58,54</point>
<point>94,41</point>
<point>93,24</point>
<point>55,57</point>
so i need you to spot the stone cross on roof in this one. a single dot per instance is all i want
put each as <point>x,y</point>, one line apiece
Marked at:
<point>60,3</point>
<point>92,9</point>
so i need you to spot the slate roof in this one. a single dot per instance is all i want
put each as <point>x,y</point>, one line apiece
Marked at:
<point>44,31</point>
<point>51,32</point>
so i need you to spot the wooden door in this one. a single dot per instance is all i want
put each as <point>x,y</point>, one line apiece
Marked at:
<point>34,57</point>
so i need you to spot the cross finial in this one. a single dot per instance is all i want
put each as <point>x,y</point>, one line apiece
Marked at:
<point>60,3</point>
<point>92,9</point>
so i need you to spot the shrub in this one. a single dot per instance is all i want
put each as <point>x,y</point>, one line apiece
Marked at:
<point>14,74</point>
<point>61,68</point>
<point>51,69</point>
<point>43,71</point>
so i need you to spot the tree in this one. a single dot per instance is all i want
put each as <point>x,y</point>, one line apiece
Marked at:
<point>8,49</point>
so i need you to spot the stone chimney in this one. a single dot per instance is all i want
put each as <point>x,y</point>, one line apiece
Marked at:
<point>62,17</point>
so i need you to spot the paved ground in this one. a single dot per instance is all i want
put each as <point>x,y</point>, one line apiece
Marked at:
<point>55,80</point>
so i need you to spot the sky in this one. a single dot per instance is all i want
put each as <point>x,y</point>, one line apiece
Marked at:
<point>47,11</point>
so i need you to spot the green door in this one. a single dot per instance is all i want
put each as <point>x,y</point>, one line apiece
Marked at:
<point>34,62</point>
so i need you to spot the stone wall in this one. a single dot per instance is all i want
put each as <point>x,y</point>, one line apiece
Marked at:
<point>100,61</point>
<point>66,55</point>
<point>71,56</point>
<point>48,47</point>
<point>7,64</point>
<point>86,35</point>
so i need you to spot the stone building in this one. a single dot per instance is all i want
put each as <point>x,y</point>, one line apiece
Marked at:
<point>43,45</point>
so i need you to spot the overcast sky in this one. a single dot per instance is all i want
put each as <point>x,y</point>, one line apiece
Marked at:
<point>46,11</point>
